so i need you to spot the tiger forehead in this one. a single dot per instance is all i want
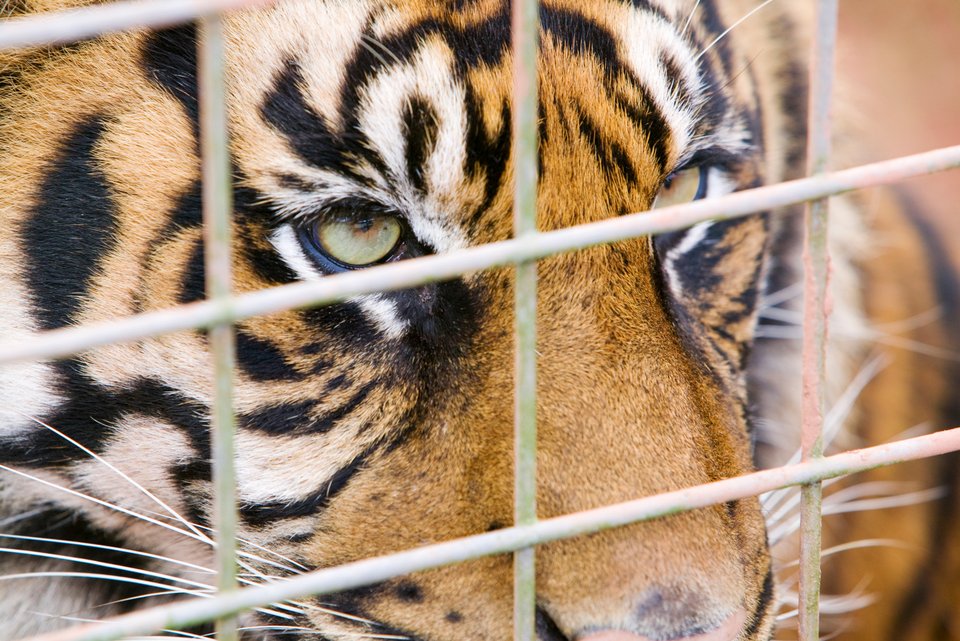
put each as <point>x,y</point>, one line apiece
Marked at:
<point>411,105</point>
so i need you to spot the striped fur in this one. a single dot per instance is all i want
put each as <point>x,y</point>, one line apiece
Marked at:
<point>385,422</point>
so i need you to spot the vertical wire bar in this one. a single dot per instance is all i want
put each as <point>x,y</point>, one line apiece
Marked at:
<point>525,27</point>
<point>217,205</point>
<point>815,315</point>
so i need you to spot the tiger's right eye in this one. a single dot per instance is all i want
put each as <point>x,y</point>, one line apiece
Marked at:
<point>357,242</point>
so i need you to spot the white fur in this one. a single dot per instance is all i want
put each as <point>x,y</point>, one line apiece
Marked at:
<point>646,37</point>
<point>718,184</point>
<point>26,389</point>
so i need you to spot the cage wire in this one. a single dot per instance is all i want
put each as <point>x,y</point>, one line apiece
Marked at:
<point>222,309</point>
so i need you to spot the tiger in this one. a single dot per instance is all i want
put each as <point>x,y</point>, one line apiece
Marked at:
<point>369,132</point>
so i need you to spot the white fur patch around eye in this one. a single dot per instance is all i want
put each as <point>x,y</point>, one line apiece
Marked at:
<point>718,184</point>
<point>377,309</point>
<point>287,244</point>
<point>647,38</point>
<point>427,77</point>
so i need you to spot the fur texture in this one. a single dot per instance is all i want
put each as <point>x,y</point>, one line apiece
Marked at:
<point>385,423</point>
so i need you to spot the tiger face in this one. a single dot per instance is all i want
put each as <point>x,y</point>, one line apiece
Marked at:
<point>376,131</point>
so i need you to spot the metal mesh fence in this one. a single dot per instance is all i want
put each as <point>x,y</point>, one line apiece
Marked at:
<point>222,309</point>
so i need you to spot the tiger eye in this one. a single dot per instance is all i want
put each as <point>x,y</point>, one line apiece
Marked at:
<point>357,243</point>
<point>681,188</point>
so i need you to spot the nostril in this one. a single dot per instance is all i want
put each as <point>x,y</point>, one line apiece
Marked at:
<point>728,630</point>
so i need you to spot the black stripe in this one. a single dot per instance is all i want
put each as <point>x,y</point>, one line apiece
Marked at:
<point>261,360</point>
<point>261,514</point>
<point>648,7</point>
<point>610,154</point>
<point>169,58</point>
<point>89,413</point>
<point>420,130</point>
<point>286,110</point>
<point>284,419</point>
<point>583,37</point>
<point>71,229</point>
<point>294,418</point>
<point>327,422</point>
<point>193,286</point>
<point>764,603</point>
<point>711,19</point>
<point>675,78</point>
<point>650,121</point>
<point>487,154</point>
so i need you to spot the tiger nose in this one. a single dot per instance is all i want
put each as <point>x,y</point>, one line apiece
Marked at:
<point>728,630</point>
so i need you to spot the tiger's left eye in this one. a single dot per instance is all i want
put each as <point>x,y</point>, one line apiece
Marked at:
<point>682,187</point>
<point>358,242</point>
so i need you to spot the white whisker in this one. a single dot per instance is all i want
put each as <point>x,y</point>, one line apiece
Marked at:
<point>119,473</point>
<point>858,545</point>
<point>75,619</point>
<point>166,559</point>
<point>373,41</point>
<point>686,25</point>
<point>833,421</point>
<point>104,577</point>
<point>296,566</point>
<point>790,292</point>
<point>104,564</point>
<point>883,503</point>
<point>23,516</point>
<point>911,323</point>
<point>731,28</point>
<point>106,504</point>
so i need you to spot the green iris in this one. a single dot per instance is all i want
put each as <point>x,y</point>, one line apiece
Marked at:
<point>680,189</point>
<point>357,243</point>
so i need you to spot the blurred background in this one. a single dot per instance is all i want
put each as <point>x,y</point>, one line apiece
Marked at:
<point>899,64</point>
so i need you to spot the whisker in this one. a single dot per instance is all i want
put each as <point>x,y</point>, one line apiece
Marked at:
<point>75,619</point>
<point>104,564</point>
<point>911,323</point>
<point>879,334</point>
<point>166,559</point>
<point>833,421</point>
<point>731,28</point>
<point>831,507</point>
<point>858,545</point>
<point>150,595</point>
<point>686,25</point>
<point>901,500</point>
<point>296,566</point>
<point>106,504</point>
<point>373,52</point>
<point>119,473</point>
<point>790,292</point>
<point>168,589</point>
<point>382,47</point>
<point>23,516</point>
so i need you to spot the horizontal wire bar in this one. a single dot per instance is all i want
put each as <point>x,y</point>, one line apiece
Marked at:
<point>62,27</point>
<point>428,269</point>
<point>374,570</point>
